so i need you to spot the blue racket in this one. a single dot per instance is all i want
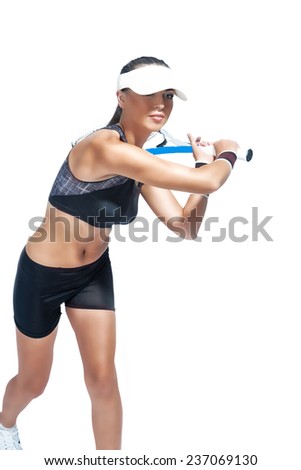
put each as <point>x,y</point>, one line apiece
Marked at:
<point>168,144</point>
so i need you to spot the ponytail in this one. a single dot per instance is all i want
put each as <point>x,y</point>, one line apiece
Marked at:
<point>116,116</point>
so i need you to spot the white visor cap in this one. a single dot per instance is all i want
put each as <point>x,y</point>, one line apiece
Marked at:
<point>150,79</point>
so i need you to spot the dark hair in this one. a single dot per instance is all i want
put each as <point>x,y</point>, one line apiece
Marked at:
<point>132,65</point>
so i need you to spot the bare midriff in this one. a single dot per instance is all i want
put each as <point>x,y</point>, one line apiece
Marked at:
<point>66,241</point>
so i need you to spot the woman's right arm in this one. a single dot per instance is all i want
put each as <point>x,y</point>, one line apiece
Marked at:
<point>120,158</point>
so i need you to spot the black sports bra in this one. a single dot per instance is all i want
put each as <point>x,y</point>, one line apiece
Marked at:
<point>100,203</point>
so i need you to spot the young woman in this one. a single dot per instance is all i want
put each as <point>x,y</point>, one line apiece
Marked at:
<point>66,261</point>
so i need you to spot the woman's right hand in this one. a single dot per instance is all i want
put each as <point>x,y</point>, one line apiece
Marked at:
<point>225,144</point>
<point>199,149</point>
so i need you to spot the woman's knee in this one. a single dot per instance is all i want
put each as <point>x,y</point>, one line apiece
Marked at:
<point>35,362</point>
<point>33,386</point>
<point>101,381</point>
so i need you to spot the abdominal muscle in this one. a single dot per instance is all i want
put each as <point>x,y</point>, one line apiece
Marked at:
<point>66,241</point>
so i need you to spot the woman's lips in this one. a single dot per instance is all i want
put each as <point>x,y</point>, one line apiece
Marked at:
<point>157,117</point>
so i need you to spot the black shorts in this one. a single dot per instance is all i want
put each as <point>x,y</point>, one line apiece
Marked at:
<point>39,292</point>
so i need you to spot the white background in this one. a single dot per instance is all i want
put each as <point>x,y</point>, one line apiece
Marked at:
<point>208,351</point>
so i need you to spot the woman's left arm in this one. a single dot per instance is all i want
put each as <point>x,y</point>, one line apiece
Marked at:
<point>185,221</point>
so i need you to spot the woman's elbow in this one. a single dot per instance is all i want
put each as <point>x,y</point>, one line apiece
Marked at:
<point>213,185</point>
<point>190,235</point>
<point>185,231</point>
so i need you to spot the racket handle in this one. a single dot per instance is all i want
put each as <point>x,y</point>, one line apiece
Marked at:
<point>244,154</point>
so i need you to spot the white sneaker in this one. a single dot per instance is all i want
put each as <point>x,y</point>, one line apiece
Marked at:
<point>9,438</point>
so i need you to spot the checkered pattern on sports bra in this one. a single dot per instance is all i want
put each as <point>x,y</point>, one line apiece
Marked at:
<point>66,184</point>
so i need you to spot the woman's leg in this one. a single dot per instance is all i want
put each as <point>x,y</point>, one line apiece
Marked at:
<point>96,336</point>
<point>35,357</point>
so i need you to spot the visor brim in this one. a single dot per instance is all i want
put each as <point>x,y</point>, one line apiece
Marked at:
<point>151,79</point>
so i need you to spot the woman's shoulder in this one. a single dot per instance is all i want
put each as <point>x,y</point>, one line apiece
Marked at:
<point>104,142</point>
<point>99,138</point>
<point>90,158</point>
<point>108,134</point>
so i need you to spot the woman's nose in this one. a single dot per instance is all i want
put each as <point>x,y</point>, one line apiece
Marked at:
<point>159,106</point>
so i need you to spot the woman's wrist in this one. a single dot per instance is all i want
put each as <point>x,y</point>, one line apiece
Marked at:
<point>200,163</point>
<point>228,155</point>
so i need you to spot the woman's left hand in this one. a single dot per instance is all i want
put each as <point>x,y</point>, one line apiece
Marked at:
<point>198,145</point>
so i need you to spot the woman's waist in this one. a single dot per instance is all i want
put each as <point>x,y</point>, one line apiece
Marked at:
<point>64,255</point>
<point>63,240</point>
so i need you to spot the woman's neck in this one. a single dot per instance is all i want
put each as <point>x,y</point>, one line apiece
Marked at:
<point>136,137</point>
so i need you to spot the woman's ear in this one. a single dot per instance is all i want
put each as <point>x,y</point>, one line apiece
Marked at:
<point>120,98</point>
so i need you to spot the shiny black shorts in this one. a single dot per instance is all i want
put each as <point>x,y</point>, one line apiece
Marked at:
<point>39,292</point>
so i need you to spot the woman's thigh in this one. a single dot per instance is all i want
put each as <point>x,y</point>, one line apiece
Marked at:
<point>95,331</point>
